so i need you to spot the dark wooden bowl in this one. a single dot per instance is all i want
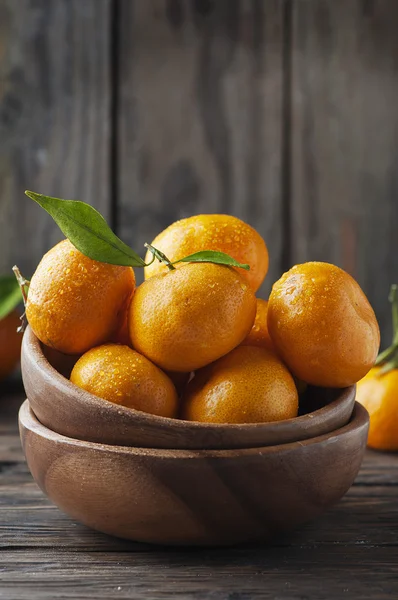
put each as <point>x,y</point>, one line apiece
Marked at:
<point>71,411</point>
<point>185,497</point>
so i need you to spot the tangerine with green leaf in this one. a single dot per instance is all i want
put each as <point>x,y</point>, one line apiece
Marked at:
<point>223,233</point>
<point>74,302</point>
<point>182,320</point>
<point>188,317</point>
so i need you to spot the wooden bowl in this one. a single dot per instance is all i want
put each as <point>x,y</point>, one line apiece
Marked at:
<point>185,497</point>
<point>71,411</point>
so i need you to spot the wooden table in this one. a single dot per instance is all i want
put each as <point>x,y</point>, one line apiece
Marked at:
<point>352,551</point>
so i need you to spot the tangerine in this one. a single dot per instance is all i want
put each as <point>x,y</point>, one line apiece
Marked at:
<point>76,303</point>
<point>248,385</point>
<point>378,390</point>
<point>378,393</point>
<point>120,375</point>
<point>186,318</point>
<point>259,335</point>
<point>10,343</point>
<point>322,325</point>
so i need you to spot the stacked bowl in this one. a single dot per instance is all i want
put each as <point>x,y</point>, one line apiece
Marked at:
<point>169,481</point>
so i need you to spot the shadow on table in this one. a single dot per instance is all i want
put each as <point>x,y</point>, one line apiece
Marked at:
<point>351,528</point>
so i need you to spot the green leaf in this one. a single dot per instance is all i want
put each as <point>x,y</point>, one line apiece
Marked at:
<point>88,231</point>
<point>212,256</point>
<point>10,294</point>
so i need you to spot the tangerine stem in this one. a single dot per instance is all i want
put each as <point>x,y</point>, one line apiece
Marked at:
<point>160,256</point>
<point>388,359</point>
<point>23,283</point>
<point>386,355</point>
<point>393,298</point>
<point>151,261</point>
<point>24,287</point>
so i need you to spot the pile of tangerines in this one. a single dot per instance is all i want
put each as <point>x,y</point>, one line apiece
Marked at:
<point>193,341</point>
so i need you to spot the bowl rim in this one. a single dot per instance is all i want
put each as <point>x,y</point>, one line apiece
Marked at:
<point>32,345</point>
<point>27,419</point>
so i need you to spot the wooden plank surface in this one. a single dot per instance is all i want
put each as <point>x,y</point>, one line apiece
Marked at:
<point>351,551</point>
<point>200,113</point>
<point>344,177</point>
<point>54,117</point>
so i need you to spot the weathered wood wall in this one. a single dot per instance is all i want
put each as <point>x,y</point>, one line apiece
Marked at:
<point>54,116</point>
<point>283,112</point>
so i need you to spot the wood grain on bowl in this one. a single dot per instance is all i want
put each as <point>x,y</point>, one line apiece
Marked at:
<point>194,497</point>
<point>71,411</point>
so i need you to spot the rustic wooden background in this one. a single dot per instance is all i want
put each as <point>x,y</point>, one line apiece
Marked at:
<point>283,112</point>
